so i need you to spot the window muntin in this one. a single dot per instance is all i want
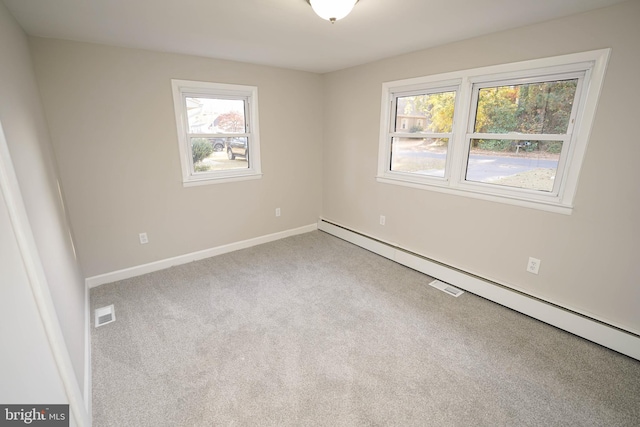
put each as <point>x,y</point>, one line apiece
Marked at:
<point>421,131</point>
<point>217,131</point>
<point>548,129</point>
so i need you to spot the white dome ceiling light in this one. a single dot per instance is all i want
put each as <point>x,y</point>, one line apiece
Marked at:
<point>332,10</point>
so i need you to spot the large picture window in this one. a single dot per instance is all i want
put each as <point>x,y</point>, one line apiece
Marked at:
<point>514,133</point>
<point>217,131</point>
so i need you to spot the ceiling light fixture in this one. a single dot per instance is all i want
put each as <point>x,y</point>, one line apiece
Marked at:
<point>332,10</point>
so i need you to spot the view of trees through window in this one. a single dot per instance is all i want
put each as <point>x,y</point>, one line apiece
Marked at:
<point>538,108</point>
<point>518,132</point>
<point>523,113</point>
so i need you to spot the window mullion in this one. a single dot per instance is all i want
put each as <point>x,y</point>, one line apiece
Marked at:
<point>458,147</point>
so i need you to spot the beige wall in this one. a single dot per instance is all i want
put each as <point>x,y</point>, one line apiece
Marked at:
<point>590,258</point>
<point>27,137</point>
<point>111,118</point>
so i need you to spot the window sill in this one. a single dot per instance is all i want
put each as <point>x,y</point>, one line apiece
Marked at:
<point>548,206</point>
<point>195,182</point>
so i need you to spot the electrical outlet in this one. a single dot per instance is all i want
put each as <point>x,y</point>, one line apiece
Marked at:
<point>143,238</point>
<point>383,219</point>
<point>534,265</point>
<point>277,211</point>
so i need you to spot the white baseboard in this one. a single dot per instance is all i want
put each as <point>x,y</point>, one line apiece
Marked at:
<point>139,270</point>
<point>579,324</point>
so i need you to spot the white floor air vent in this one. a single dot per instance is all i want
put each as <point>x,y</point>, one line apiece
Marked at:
<point>444,287</point>
<point>105,315</point>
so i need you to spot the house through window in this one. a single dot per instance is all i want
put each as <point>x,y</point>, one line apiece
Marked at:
<point>217,131</point>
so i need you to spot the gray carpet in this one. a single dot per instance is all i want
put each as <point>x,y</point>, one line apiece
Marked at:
<point>313,331</point>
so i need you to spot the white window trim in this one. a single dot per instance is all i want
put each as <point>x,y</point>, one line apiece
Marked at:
<point>182,88</point>
<point>592,63</point>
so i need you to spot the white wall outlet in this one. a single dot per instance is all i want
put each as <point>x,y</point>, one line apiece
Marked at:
<point>533,265</point>
<point>143,238</point>
<point>383,220</point>
<point>277,211</point>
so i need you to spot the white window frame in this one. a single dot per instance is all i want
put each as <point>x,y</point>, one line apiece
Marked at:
<point>186,88</point>
<point>425,89</point>
<point>589,66</point>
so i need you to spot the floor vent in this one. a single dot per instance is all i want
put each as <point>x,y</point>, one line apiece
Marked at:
<point>444,287</point>
<point>105,315</point>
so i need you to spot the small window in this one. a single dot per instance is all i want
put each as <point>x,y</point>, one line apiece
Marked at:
<point>513,133</point>
<point>217,131</point>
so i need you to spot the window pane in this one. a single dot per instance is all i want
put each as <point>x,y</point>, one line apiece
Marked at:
<point>424,156</point>
<point>425,113</point>
<point>514,163</point>
<point>535,108</point>
<point>214,154</point>
<point>211,115</point>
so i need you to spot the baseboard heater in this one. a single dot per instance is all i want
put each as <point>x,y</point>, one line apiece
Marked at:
<point>607,335</point>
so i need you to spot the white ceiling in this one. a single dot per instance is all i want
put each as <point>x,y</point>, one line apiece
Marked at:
<point>284,33</point>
